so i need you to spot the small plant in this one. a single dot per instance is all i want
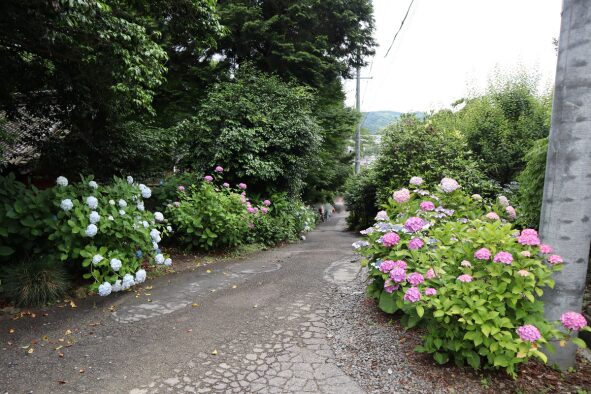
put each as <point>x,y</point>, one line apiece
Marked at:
<point>35,282</point>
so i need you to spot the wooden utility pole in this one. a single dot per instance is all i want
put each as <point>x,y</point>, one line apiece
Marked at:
<point>358,131</point>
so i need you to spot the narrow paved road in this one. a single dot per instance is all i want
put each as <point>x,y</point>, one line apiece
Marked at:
<point>251,325</point>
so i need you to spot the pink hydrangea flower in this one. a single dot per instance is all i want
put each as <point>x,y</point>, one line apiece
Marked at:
<point>511,212</point>
<point>430,273</point>
<point>430,291</point>
<point>504,201</point>
<point>401,196</point>
<point>523,272</point>
<point>427,206</point>
<point>528,333</point>
<point>573,321</point>
<point>242,186</point>
<point>465,278</point>
<point>415,244</point>
<point>390,287</point>
<point>226,184</point>
<point>267,203</point>
<point>382,216</point>
<point>482,254</point>
<point>449,185</point>
<point>219,169</point>
<point>264,210</point>
<point>412,294</point>
<point>546,249</point>
<point>417,181</point>
<point>181,188</point>
<point>528,237</point>
<point>398,274</point>
<point>555,259</point>
<point>414,224</point>
<point>390,239</point>
<point>415,279</point>
<point>387,265</point>
<point>251,225</point>
<point>400,263</point>
<point>250,210</point>
<point>492,216</point>
<point>208,178</point>
<point>526,253</point>
<point>503,257</point>
<point>466,263</point>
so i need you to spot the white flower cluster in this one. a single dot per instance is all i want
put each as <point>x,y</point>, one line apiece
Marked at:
<point>97,258</point>
<point>155,235</point>
<point>146,191</point>
<point>61,181</point>
<point>94,217</point>
<point>105,289</point>
<point>128,281</point>
<point>159,259</point>
<point>122,203</point>
<point>140,276</point>
<point>158,216</point>
<point>91,230</point>
<point>92,202</point>
<point>129,179</point>
<point>115,264</point>
<point>504,201</point>
<point>66,204</point>
<point>93,184</point>
<point>121,212</point>
<point>449,185</point>
<point>140,206</point>
<point>168,262</point>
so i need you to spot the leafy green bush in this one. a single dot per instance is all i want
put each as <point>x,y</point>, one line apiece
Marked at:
<point>35,283</point>
<point>208,217</point>
<point>531,184</point>
<point>361,199</point>
<point>167,192</point>
<point>454,264</point>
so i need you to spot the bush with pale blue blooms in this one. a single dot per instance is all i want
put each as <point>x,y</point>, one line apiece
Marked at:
<point>91,230</point>
<point>94,217</point>
<point>104,289</point>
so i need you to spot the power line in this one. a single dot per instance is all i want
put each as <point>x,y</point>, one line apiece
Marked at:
<point>400,28</point>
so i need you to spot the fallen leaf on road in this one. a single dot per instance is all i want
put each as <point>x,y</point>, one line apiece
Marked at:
<point>94,324</point>
<point>45,338</point>
<point>190,330</point>
<point>149,300</point>
<point>234,286</point>
<point>148,287</point>
<point>148,294</point>
<point>58,347</point>
<point>215,352</point>
<point>194,305</point>
<point>11,331</point>
<point>61,339</point>
<point>255,306</point>
<point>73,305</point>
<point>61,382</point>
<point>31,350</point>
<point>61,355</point>
<point>68,332</point>
<point>112,308</point>
<point>208,271</point>
<point>81,370</point>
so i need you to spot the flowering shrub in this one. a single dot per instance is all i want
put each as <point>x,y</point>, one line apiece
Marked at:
<point>473,280</point>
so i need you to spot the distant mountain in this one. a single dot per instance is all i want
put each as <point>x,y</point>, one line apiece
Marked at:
<point>376,120</point>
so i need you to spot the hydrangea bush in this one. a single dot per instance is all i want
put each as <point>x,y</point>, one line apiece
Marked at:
<point>455,264</point>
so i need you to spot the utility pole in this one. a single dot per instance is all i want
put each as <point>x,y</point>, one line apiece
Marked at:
<point>566,205</point>
<point>358,131</point>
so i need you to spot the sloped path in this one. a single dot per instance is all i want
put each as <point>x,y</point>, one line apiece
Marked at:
<point>254,325</point>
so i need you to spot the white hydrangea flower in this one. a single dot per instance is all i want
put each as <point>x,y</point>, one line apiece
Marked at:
<point>94,217</point>
<point>504,201</point>
<point>66,204</point>
<point>97,258</point>
<point>155,235</point>
<point>91,230</point>
<point>104,289</point>
<point>93,184</point>
<point>146,191</point>
<point>416,180</point>
<point>382,216</point>
<point>92,202</point>
<point>121,212</point>
<point>111,218</point>
<point>128,281</point>
<point>116,264</point>
<point>145,224</point>
<point>168,262</point>
<point>140,206</point>
<point>122,203</point>
<point>159,259</point>
<point>449,185</point>
<point>169,228</point>
<point>155,245</point>
<point>158,216</point>
<point>111,202</point>
<point>140,276</point>
<point>116,286</point>
<point>61,181</point>
<point>129,179</point>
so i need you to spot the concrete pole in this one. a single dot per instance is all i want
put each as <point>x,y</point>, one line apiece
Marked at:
<point>358,131</point>
<point>566,206</point>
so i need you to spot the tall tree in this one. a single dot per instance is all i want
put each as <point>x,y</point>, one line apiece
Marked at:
<point>566,206</point>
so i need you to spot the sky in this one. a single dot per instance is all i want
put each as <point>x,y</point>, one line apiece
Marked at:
<point>448,48</point>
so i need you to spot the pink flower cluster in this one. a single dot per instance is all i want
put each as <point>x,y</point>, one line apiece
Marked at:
<point>382,216</point>
<point>430,291</point>
<point>528,333</point>
<point>415,279</point>
<point>555,259</point>
<point>387,265</point>
<point>465,278</point>
<point>414,224</point>
<point>398,274</point>
<point>511,212</point>
<point>417,181</point>
<point>528,236</point>
<point>449,185</point>
<point>466,264</point>
<point>415,244</point>
<point>181,188</point>
<point>573,321</point>
<point>546,249</point>
<point>482,254</point>
<point>430,273</point>
<point>492,216</point>
<point>504,201</point>
<point>219,169</point>
<point>267,203</point>
<point>242,186</point>
<point>413,294</point>
<point>208,178</point>
<point>503,257</point>
<point>427,206</point>
<point>390,287</point>
<point>523,272</point>
<point>390,239</point>
<point>401,196</point>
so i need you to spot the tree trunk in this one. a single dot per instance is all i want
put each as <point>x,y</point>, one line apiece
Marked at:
<point>566,207</point>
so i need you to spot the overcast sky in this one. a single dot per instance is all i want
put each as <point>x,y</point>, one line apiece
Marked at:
<point>448,47</point>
